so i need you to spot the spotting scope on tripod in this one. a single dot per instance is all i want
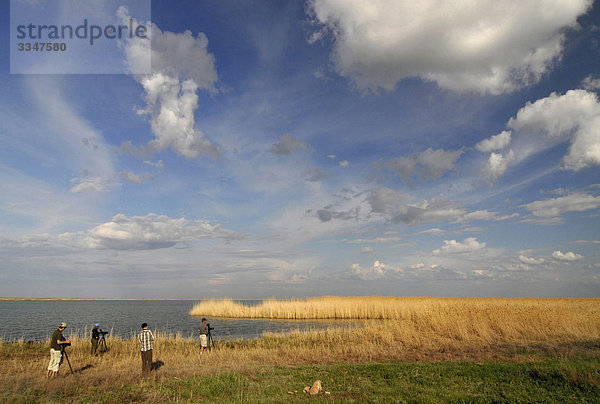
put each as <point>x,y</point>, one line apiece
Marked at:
<point>64,355</point>
<point>102,342</point>
<point>210,341</point>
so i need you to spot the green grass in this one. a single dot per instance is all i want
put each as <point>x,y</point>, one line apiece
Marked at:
<point>549,381</point>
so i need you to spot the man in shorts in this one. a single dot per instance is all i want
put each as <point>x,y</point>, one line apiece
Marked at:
<point>203,330</point>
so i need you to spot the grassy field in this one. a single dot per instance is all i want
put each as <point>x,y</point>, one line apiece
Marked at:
<point>449,350</point>
<point>548,381</point>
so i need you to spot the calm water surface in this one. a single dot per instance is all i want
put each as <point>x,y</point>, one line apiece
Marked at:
<point>37,320</point>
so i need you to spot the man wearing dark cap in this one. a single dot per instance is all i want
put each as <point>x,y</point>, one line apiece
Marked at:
<point>55,353</point>
<point>203,330</point>
<point>146,339</point>
<point>95,337</point>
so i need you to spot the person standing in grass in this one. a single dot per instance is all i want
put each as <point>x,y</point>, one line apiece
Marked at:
<point>95,337</point>
<point>55,353</point>
<point>146,337</point>
<point>203,330</point>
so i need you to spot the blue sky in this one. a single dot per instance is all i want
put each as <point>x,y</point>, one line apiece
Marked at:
<point>306,148</point>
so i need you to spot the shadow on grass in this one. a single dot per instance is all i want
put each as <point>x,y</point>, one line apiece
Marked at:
<point>75,372</point>
<point>86,367</point>
<point>157,365</point>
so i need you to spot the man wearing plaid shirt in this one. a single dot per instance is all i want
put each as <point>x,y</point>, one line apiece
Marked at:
<point>146,339</point>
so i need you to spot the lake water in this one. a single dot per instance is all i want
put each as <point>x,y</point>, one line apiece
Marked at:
<point>37,320</point>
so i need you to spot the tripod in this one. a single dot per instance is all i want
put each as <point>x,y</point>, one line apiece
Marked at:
<point>211,343</point>
<point>102,343</point>
<point>63,355</point>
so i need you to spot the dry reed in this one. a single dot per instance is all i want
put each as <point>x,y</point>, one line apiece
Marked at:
<point>425,325</point>
<point>397,308</point>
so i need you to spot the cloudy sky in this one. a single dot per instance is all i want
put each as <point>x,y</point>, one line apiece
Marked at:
<point>304,148</point>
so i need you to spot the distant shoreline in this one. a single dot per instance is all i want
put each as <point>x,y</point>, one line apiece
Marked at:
<point>85,298</point>
<point>7,299</point>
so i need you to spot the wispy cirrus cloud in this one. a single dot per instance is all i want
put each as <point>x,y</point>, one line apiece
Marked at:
<point>288,144</point>
<point>553,207</point>
<point>484,215</point>
<point>427,165</point>
<point>400,208</point>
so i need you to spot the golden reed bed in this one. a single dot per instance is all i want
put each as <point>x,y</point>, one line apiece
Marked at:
<point>394,308</point>
<point>423,321</point>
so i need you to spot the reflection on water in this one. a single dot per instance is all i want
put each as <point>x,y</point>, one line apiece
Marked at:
<point>37,320</point>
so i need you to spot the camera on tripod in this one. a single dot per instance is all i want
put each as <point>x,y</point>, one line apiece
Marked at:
<point>101,347</point>
<point>211,343</point>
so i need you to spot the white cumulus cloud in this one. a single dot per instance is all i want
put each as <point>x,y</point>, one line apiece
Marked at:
<point>496,142</point>
<point>530,261</point>
<point>497,165</point>
<point>494,46</point>
<point>171,104</point>
<point>452,246</point>
<point>181,65</point>
<point>90,184</point>
<point>572,117</point>
<point>568,256</point>
<point>379,270</point>
<point>151,232</point>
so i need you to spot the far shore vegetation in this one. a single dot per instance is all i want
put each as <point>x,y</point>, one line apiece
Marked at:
<point>72,298</point>
<point>400,350</point>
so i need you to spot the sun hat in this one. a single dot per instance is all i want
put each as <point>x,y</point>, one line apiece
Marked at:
<point>96,325</point>
<point>63,325</point>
